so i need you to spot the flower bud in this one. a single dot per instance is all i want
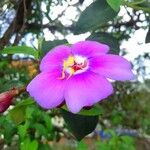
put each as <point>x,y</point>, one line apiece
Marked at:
<point>6,99</point>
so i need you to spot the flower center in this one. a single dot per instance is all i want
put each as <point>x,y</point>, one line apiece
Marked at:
<point>74,65</point>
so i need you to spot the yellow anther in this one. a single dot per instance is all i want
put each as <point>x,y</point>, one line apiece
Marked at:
<point>67,64</point>
<point>70,60</point>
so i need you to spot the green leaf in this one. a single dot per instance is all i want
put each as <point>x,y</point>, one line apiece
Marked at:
<point>142,3</point>
<point>7,128</point>
<point>116,119</point>
<point>114,4</point>
<point>79,125</point>
<point>94,111</point>
<point>17,114</point>
<point>20,50</point>
<point>22,130</point>
<point>44,147</point>
<point>136,2</point>
<point>11,83</point>
<point>127,140</point>
<point>27,144</point>
<point>147,40</point>
<point>29,112</point>
<point>98,13</point>
<point>107,39</point>
<point>48,45</point>
<point>82,146</point>
<point>41,129</point>
<point>47,121</point>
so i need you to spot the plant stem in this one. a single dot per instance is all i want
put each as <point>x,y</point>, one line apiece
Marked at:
<point>136,7</point>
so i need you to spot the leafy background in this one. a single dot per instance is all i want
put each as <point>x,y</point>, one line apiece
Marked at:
<point>120,122</point>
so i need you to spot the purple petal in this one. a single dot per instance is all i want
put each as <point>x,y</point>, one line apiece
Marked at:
<point>47,89</point>
<point>89,48</point>
<point>86,89</point>
<point>112,66</point>
<point>54,58</point>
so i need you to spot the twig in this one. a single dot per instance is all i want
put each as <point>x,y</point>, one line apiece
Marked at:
<point>20,32</point>
<point>17,23</point>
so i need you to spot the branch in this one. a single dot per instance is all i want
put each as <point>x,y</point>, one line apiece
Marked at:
<point>17,23</point>
<point>50,27</point>
<point>20,32</point>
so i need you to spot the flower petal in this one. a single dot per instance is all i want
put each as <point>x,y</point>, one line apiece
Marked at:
<point>112,66</point>
<point>54,58</point>
<point>86,89</point>
<point>89,48</point>
<point>47,89</point>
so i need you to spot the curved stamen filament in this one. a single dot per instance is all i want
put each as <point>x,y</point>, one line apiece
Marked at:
<point>67,64</point>
<point>71,66</point>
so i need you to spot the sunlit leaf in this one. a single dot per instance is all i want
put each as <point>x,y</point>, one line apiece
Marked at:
<point>82,146</point>
<point>98,13</point>
<point>114,4</point>
<point>107,39</point>
<point>20,50</point>
<point>27,144</point>
<point>48,45</point>
<point>22,130</point>
<point>40,128</point>
<point>17,114</point>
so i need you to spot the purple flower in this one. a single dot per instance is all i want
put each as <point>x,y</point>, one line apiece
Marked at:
<point>78,75</point>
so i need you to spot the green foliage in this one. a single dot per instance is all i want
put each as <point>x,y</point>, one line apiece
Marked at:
<point>108,39</point>
<point>7,129</point>
<point>93,111</point>
<point>48,45</point>
<point>138,5</point>
<point>35,124</point>
<point>79,125</point>
<point>114,4</point>
<point>116,142</point>
<point>27,144</point>
<point>17,113</point>
<point>20,50</point>
<point>98,13</point>
<point>22,130</point>
<point>12,76</point>
<point>82,146</point>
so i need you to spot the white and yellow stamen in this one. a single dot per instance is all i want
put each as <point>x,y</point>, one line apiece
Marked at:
<point>74,65</point>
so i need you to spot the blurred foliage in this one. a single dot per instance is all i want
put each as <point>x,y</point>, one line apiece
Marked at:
<point>26,126</point>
